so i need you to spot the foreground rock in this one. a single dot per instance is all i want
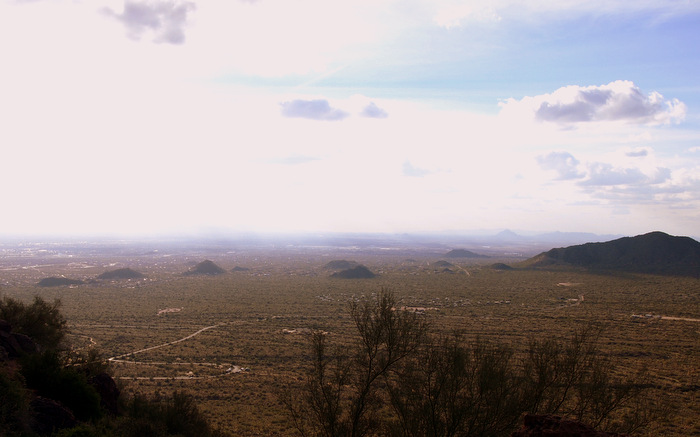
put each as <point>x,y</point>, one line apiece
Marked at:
<point>13,345</point>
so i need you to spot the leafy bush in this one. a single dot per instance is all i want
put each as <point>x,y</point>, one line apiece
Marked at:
<point>41,320</point>
<point>14,403</point>
<point>46,374</point>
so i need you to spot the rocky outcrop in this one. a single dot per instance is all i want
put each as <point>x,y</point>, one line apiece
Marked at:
<point>50,416</point>
<point>13,345</point>
<point>555,426</point>
<point>108,391</point>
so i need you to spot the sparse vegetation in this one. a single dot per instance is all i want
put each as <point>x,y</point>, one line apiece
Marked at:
<point>447,386</point>
<point>261,323</point>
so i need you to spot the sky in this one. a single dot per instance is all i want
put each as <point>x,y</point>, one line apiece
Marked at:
<point>145,117</point>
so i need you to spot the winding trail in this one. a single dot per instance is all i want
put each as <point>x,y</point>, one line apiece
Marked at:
<point>164,344</point>
<point>117,359</point>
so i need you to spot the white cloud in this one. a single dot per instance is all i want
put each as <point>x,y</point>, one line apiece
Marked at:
<point>603,174</point>
<point>616,101</point>
<point>412,171</point>
<point>166,20</point>
<point>312,109</point>
<point>373,111</point>
<point>563,163</point>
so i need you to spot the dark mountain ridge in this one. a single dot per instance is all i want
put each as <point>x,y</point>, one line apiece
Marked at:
<point>654,253</point>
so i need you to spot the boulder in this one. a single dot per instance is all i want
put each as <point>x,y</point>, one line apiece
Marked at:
<point>108,391</point>
<point>50,416</point>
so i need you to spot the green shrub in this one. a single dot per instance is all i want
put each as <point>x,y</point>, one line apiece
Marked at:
<point>42,321</point>
<point>46,374</point>
<point>14,404</point>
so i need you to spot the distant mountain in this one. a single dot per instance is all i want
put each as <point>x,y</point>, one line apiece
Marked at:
<point>55,281</point>
<point>206,267</point>
<point>508,235</point>
<point>655,253</point>
<point>357,272</point>
<point>125,273</point>
<point>463,253</point>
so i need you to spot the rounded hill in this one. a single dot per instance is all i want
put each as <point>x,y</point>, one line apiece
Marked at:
<point>654,253</point>
<point>125,273</point>
<point>206,267</point>
<point>357,272</point>
<point>55,281</point>
<point>463,253</point>
<point>340,264</point>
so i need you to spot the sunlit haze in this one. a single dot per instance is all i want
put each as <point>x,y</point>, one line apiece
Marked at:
<point>138,117</point>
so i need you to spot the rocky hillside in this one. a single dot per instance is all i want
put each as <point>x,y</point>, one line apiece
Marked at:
<point>654,253</point>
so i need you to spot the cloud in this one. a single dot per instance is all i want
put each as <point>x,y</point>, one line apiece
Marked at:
<point>293,160</point>
<point>165,19</point>
<point>637,153</point>
<point>410,170</point>
<point>312,109</point>
<point>616,101</point>
<point>563,163</point>
<point>602,174</point>
<point>373,111</point>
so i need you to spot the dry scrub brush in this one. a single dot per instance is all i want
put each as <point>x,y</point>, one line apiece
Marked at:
<point>399,380</point>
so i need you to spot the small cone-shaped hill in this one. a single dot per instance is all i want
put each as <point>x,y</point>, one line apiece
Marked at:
<point>125,273</point>
<point>463,253</point>
<point>442,263</point>
<point>340,264</point>
<point>55,281</point>
<point>655,253</point>
<point>357,272</point>
<point>501,266</point>
<point>206,267</point>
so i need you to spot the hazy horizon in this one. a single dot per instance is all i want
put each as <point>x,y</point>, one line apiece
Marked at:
<point>133,118</point>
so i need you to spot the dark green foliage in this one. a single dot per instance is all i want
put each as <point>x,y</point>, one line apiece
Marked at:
<point>41,320</point>
<point>177,415</point>
<point>14,404</point>
<point>46,374</point>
